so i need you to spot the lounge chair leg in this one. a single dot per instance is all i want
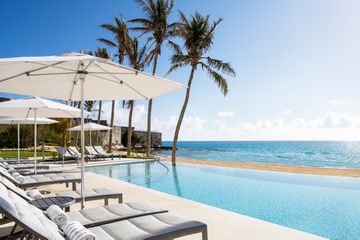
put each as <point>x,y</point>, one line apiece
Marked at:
<point>13,230</point>
<point>204,234</point>
<point>24,235</point>
<point>67,185</point>
<point>74,186</point>
<point>106,200</point>
<point>120,198</point>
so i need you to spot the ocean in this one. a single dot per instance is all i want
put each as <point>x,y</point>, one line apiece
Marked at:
<point>330,154</point>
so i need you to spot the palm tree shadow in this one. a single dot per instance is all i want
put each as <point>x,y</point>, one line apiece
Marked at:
<point>176,180</point>
<point>128,172</point>
<point>147,175</point>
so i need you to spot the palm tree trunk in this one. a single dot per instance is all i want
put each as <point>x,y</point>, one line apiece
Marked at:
<point>77,123</point>
<point>148,142</point>
<point>182,113</point>
<point>98,121</point>
<point>129,129</point>
<point>111,125</point>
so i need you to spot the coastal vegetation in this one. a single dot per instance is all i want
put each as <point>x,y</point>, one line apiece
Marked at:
<point>120,33</point>
<point>157,25</point>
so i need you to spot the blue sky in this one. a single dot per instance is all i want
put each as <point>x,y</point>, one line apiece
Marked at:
<point>297,64</point>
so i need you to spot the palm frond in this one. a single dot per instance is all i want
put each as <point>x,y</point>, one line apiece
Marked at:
<point>221,66</point>
<point>107,42</point>
<point>175,47</point>
<point>109,27</point>
<point>218,78</point>
<point>175,67</point>
<point>176,58</point>
<point>142,21</point>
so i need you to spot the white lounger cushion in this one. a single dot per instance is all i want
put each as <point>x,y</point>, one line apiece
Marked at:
<point>87,192</point>
<point>97,214</point>
<point>41,178</point>
<point>33,217</point>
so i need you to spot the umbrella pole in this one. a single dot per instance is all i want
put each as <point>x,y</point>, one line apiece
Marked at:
<point>18,141</point>
<point>90,138</point>
<point>35,137</point>
<point>82,138</point>
<point>42,144</point>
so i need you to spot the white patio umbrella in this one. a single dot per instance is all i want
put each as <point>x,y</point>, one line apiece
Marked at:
<point>90,126</point>
<point>37,107</point>
<point>79,77</point>
<point>24,121</point>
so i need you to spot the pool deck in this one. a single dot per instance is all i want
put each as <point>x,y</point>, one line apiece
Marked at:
<point>222,224</point>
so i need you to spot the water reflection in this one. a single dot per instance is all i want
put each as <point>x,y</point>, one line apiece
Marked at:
<point>176,180</point>
<point>147,175</point>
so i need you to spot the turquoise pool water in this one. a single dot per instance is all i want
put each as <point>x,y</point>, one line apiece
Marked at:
<point>322,205</point>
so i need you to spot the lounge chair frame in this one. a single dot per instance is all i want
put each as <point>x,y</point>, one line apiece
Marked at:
<point>184,229</point>
<point>37,184</point>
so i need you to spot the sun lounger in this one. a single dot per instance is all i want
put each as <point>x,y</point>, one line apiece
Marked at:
<point>15,160</point>
<point>75,152</point>
<point>90,194</point>
<point>100,150</point>
<point>26,172</point>
<point>24,166</point>
<point>159,226</point>
<point>42,179</point>
<point>65,154</point>
<point>91,151</point>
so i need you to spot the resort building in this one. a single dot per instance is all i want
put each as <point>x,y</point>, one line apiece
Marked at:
<point>120,136</point>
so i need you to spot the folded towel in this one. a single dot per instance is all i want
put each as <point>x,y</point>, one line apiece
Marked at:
<point>6,165</point>
<point>35,194</point>
<point>18,177</point>
<point>11,170</point>
<point>57,215</point>
<point>75,231</point>
<point>21,179</point>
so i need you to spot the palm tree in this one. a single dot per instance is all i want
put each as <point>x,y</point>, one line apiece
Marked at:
<point>157,24</point>
<point>100,52</point>
<point>138,61</point>
<point>89,105</point>
<point>120,34</point>
<point>198,35</point>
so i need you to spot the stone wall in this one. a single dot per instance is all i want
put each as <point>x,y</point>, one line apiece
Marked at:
<point>119,130</point>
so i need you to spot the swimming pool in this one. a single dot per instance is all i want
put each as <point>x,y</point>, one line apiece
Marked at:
<point>322,205</point>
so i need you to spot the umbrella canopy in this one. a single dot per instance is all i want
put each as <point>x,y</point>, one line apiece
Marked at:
<point>23,121</point>
<point>90,126</point>
<point>37,107</point>
<point>27,108</point>
<point>79,77</point>
<point>58,77</point>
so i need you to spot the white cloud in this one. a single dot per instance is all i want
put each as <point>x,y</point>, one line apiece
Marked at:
<point>287,112</point>
<point>122,114</point>
<point>331,126</point>
<point>337,101</point>
<point>225,114</point>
